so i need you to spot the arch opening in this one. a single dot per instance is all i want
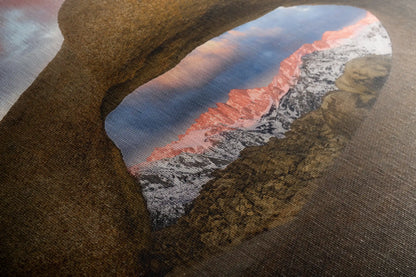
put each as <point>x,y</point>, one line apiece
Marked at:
<point>238,90</point>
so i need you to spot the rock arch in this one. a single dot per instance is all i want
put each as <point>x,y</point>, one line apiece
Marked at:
<point>68,205</point>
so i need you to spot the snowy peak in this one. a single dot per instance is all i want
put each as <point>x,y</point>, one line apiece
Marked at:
<point>245,107</point>
<point>174,174</point>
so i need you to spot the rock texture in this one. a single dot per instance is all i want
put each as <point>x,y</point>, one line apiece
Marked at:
<point>174,174</point>
<point>67,205</point>
<point>45,123</point>
<point>268,185</point>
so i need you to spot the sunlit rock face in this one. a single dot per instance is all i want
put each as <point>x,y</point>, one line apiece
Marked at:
<point>173,175</point>
<point>245,107</point>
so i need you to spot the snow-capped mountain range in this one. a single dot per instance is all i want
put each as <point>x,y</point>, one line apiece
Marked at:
<point>173,175</point>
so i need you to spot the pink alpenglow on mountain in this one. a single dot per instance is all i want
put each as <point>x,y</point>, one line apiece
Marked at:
<point>245,107</point>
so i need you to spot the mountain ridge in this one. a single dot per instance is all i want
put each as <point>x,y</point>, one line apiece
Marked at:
<point>245,106</point>
<point>171,184</point>
<point>268,185</point>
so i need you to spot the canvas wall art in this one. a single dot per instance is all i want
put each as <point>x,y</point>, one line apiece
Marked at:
<point>144,138</point>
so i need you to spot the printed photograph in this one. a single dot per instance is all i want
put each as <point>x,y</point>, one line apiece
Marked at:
<point>180,138</point>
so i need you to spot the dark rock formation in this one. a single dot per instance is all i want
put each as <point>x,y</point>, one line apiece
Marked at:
<point>268,185</point>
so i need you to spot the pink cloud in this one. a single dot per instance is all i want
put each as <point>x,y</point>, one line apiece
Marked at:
<point>52,6</point>
<point>201,65</point>
<point>236,33</point>
<point>17,15</point>
<point>206,61</point>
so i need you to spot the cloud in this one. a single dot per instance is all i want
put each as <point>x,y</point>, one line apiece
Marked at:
<point>262,33</point>
<point>42,9</point>
<point>302,8</point>
<point>203,64</point>
<point>209,59</point>
<point>29,39</point>
<point>236,33</point>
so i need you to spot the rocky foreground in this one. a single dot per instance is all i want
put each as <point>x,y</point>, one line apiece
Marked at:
<point>268,185</point>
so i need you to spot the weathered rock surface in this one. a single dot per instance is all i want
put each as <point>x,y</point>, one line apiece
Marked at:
<point>67,204</point>
<point>268,185</point>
